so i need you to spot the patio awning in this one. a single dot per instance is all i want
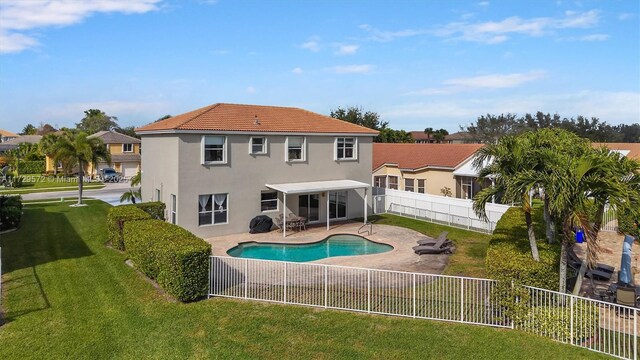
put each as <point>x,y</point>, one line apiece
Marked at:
<point>318,186</point>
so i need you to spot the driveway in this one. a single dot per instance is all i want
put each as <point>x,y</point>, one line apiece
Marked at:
<point>110,194</point>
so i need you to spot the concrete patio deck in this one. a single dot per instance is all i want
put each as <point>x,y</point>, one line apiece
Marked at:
<point>401,258</point>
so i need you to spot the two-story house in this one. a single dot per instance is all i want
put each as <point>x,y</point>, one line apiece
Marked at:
<point>124,151</point>
<point>219,166</point>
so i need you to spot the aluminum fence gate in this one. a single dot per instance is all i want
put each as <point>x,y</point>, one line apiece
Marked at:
<point>603,327</point>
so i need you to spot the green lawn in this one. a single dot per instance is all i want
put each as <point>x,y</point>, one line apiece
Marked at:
<point>471,247</point>
<point>66,295</point>
<point>48,185</point>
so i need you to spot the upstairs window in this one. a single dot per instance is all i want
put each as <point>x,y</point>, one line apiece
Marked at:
<point>295,148</point>
<point>214,149</point>
<point>421,186</point>
<point>393,182</point>
<point>127,147</point>
<point>258,145</point>
<point>409,184</point>
<point>380,181</point>
<point>346,148</point>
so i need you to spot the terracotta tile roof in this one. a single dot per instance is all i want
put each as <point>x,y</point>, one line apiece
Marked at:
<point>256,118</point>
<point>113,137</point>
<point>7,133</point>
<point>420,135</point>
<point>416,156</point>
<point>31,139</point>
<point>633,148</point>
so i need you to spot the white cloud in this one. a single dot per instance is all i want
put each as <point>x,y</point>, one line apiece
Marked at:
<point>625,16</point>
<point>347,49</point>
<point>20,16</point>
<point>311,45</point>
<point>222,52</point>
<point>352,69</point>
<point>493,32</point>
<point>297,70</point>
<point>251,90</point>
<point>592,37</point>
<point>490,81</point>
<point>384,36</point>
<point>483,3</point>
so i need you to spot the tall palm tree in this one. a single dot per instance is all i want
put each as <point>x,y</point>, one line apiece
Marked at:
<point>502,162</point>
<point>82,150</point>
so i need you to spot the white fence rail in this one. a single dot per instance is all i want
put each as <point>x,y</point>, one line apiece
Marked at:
<point>609,219</point>
<point>595,325</point>
<point>437,209</point>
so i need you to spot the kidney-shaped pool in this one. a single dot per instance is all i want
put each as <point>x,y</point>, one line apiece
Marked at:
<point>334,245</point>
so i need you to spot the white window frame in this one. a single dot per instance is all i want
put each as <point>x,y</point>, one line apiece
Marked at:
<point>264,146</point>
<point>276,199</point>
<point>423,187</point>
<point>466,182</point>
<point>224,151</point>
<point>413,184</point>
<point>158,195</point>
<point>303,150</point>
<point>213,210</point>
<point>124,150</point>
<point>355,149</point>
<point>346,205</point>
<point>173,213</point>
<point>389,182</point>
<point>383,177</point>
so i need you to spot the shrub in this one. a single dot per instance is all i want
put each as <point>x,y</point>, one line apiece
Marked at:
<point>174,257</point>
<point>117,217</point>
<point>32,167</point>
<point>626,224</point>
<point>10,212</point>
<point>154,208</point>
<point>509,253</point>
<point>555,321</point>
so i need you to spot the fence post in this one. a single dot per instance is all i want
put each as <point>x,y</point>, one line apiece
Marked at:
<point>462,300</point>
<point>468,218</point>
<point>285,282</point>
<point>415,208</point>
<point>368,290</point>
<point>571,321</point>
<point>512,289</point>
<point>449,215</point>
<point>414,295</point>
<point>208,295</point>
<point>246,277</point>
<point>635,331</point>
<point>326,290</point>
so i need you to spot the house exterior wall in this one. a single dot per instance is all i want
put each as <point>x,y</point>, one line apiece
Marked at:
<point>435,179</point>
<point>244,176</point>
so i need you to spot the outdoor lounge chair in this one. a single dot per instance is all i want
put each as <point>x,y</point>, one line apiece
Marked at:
<point>600,292</point>
<point>433,242</point>
<point>590,273</point>
<point>600,267</point>
<point>441,246</point>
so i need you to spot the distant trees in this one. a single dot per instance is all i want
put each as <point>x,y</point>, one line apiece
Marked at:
<point>370,119</point>
<point>490,128</point>
<point>438,135</point>
<point>29,129</point>
<point>96,120</point>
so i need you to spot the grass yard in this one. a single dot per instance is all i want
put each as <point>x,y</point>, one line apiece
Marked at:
<point>49,185</point>
<point>471,247</point>
<point>68,296</point>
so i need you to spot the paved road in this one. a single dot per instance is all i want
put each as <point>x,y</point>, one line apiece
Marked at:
<point>110,194</point>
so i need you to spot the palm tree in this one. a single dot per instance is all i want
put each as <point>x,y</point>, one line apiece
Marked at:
<point>428,131</point>
<point>502,162</point>
<point>133,194</point>
<point>82,150</point>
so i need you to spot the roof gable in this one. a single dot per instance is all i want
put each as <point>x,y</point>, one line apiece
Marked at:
<point>113,137</point>
<point>255,118</point>
<point>419,156</point>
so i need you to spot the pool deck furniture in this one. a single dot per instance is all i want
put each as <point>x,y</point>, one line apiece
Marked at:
<point>430,242</point>
<point>442,245</point>
<point>600,267</point>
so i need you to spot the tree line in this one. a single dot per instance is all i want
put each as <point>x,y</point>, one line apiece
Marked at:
<point>94,120</point>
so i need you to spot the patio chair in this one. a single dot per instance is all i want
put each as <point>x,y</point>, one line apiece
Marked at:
<point>590,273</point>
<point>600,291</point>
<point>433,242</point>
<point>626,296</point>
<point>443,245</point>
<point>279,219</point>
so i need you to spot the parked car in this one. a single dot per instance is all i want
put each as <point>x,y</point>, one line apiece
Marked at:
<point>109,175</point>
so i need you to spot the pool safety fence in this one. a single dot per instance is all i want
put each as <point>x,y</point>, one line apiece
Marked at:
<point>595,325</point>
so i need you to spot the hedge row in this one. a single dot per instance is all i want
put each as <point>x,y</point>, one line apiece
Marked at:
<point>153,208</point>
<point>174,257</point>
<point>31,167</point>
<point>117,217</point>
<point>10,212</point>
<point>509,253</point>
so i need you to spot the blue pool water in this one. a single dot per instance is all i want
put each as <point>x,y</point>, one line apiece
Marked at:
<point>334,245</point>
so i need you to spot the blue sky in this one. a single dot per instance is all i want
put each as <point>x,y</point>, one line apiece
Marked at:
<point>417,63</point>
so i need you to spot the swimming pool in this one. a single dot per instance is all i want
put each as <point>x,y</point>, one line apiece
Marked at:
<point>334,245</point>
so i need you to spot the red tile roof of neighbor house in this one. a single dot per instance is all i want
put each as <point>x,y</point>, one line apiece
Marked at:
<point>420,135</point>
<point>7,133</point>
<point>633,148</point>
<point>255,118</point>
<point>417,156</point>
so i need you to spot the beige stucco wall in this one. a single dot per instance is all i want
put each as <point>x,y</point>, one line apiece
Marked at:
<point>244,176</point>
<point>435,179</point>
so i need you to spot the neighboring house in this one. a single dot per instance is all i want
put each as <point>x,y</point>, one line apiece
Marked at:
<point>427,168</point>
<point>630,150</point>
<point>124,150</point>
<point>13,143</point>
<point>7,135</point>
<point>219,166</point>
<point>456,138</point>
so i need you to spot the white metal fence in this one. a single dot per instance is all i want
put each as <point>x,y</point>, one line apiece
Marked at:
<point>609,219</point>
<point>437,209</point>
<point>595,325</point>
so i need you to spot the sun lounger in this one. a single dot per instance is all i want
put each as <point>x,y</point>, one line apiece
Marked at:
<point>425,249</point>
<point>594,274</point>
<point>600,267</point>
<point>433,242</point>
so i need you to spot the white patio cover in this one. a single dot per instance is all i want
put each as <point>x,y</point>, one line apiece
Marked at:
<point>317,186</point>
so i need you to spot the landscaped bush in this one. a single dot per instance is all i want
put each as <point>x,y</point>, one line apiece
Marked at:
<point>174,257</point>
<point>555,321</point>
<point>32,167</point>
<point>154,208</point>
<point>626,224</point>
<point>117,217</point>
<point>509,253</point>
<point>10,212</point>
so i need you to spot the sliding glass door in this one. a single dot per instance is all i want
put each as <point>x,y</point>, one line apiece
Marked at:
<point>309,207</point>
<point>337,204</point>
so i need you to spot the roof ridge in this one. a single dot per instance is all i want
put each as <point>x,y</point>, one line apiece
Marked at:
<point>206,110</point>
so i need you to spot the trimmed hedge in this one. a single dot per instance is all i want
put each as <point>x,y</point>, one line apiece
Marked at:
<point>174,257</point>
<point>626,224</point>
<point>153,208</point>
<point>10,212</point>
<point>31,167</point>
<point>509,253</point>
<point>117,217</point>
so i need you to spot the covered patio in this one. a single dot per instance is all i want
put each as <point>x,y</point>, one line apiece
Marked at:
<point>319,187</point>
